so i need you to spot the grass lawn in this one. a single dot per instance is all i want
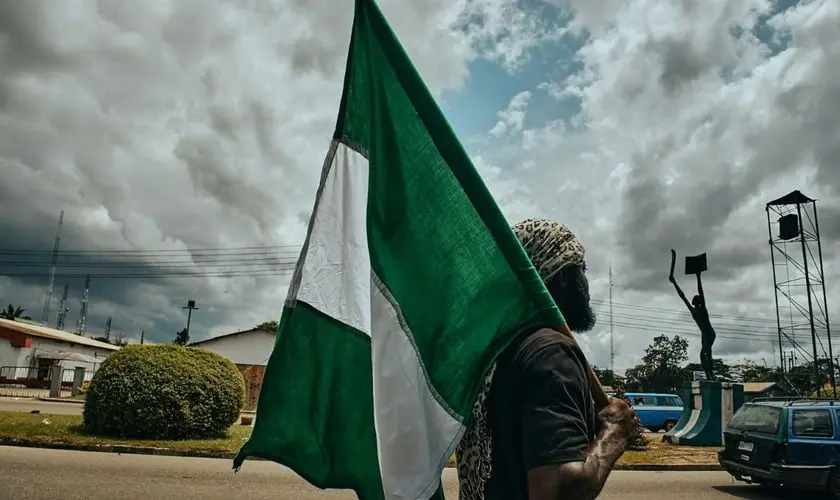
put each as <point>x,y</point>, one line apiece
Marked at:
<point>67,429</point>
<point>664,453</point>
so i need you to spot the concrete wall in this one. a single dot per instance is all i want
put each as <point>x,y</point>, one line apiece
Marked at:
<point>9,356</point>
<point>248,348</point>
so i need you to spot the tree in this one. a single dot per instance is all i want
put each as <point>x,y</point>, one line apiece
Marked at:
<point>606,376</point>
<point>720,370</point>
<point>13,312</point>
<point>182,337</point>
<point>660,369</point>
<point>759,373</point>
<point>269,326</point>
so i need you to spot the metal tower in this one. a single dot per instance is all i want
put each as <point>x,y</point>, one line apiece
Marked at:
<point>612,339</point>
<point>799,280</point>
<point>62,309</point>
<point>45,313</point>
<point>83,311</point>
<point>108,328</point>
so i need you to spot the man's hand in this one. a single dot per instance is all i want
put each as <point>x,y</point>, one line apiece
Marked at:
<point>619,414</point>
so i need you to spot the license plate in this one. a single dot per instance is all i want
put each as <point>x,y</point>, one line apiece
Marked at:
<point>745,446</point>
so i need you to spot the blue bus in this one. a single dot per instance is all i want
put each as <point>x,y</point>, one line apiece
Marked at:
<point>656,411</point>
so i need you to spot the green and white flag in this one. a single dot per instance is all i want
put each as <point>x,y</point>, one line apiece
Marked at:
<point>409,285</point>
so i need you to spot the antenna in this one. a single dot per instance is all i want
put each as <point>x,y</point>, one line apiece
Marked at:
<point>83,311</point>
<point>612,338</point>
<point>45,314</point>
<point>62,309</point>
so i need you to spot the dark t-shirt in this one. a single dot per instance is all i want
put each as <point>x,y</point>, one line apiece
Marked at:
<point>540,410</point>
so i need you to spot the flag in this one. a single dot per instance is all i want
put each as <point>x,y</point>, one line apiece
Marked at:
<point>409,285</point>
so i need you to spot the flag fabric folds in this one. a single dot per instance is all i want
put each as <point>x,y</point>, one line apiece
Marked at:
<point>409,285</point>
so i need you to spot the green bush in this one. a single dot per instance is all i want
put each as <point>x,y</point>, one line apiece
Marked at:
<point>164,391</point>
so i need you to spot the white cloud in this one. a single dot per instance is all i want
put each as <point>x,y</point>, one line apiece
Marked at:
<point>689,124</point>
<point>184,124</point>
<point>179,125</point>
<point>512,118</point>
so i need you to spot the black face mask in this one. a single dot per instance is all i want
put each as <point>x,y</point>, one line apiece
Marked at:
<point>570,290</point>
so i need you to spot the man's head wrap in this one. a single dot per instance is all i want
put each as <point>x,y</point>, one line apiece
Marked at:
<point>550,246</point>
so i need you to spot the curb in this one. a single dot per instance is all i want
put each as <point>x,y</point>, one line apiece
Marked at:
<point>118,449</point>
<point>670,468</point>
<point>62,400</point>
<point>225,455</point>
<point>82,401</point>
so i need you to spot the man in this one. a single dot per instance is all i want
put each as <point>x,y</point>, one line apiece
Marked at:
<point>534,433</point>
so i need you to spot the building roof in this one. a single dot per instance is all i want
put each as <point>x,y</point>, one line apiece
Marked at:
<point>227,335</point>
<point>53,334</point>
<point>757,387</point>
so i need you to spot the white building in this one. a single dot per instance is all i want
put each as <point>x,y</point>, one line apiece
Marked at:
<point>29,351</point>
<point>246,348</point>
<point>249,350</point>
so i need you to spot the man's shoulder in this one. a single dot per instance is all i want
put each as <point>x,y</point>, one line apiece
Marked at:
<point>546,345</point>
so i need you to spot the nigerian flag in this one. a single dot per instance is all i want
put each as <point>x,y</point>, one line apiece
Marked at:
<point>409,285</point>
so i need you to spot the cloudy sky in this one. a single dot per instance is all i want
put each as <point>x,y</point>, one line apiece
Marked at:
<point>184,139</point>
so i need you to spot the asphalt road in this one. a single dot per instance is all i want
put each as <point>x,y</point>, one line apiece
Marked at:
<point>37,474</point>
<point>26,405</point>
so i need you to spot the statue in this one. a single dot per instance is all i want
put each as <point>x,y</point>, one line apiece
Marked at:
<point>697,307</point>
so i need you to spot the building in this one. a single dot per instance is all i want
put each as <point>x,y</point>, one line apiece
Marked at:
<point>753,390</point>
<point>249,350</point>
<point>29,352</point>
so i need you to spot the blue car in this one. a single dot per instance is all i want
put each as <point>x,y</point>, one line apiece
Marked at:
<point>785,443</point>
<point>656,411</point>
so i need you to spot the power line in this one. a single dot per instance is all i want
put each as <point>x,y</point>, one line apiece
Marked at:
<point>190,251</point>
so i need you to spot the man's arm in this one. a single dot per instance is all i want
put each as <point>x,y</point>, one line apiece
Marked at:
<point>555,401</point>
<point>582,480</point>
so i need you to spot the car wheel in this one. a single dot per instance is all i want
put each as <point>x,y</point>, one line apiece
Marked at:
<point>669,425</point>
<point>834,484</point>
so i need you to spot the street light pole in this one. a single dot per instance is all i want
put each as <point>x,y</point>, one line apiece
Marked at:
<point>190,307</point>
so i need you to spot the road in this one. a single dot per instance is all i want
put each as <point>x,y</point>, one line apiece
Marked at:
<point>37,474</point>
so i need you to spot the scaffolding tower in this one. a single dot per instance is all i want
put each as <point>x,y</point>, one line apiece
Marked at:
<point>799,283</point>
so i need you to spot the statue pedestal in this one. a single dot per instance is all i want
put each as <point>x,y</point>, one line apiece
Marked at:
<point>707,408</point>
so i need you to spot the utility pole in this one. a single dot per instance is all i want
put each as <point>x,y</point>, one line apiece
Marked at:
<point>45,313</point>
<point>612,339</point>
<point>190,307</point>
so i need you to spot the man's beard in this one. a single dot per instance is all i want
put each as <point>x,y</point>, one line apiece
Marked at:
<point>580,317</point>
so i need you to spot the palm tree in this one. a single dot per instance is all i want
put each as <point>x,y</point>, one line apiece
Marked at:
<point>13,312</point>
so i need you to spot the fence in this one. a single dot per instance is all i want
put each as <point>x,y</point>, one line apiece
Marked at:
<point>25,381</point>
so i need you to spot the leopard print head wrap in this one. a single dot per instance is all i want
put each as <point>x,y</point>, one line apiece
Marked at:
<point>551,248</point>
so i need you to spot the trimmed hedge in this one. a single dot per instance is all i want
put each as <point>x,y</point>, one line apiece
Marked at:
<point>164,391</point>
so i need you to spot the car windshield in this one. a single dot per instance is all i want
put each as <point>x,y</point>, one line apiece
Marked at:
<point>757,418</point>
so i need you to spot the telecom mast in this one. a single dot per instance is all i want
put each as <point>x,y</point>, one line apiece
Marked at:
<point>83,311</point>
<point>612,339</point>
<point>62,309</point>
<point>45,314</point>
